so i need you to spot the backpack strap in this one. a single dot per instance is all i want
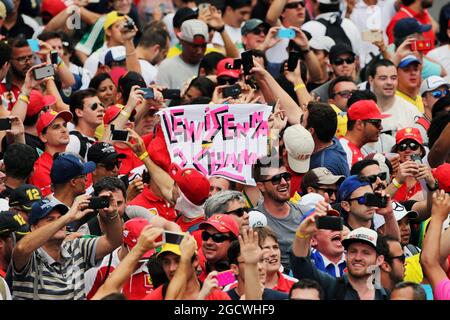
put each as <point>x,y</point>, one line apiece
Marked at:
<point>108,269</point>
<point>83,142</point>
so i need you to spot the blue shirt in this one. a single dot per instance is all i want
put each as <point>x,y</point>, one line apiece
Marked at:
<point>319,263</point>
<point>333,158</point>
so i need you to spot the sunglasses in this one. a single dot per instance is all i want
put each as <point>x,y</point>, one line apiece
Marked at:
<point>439,93</point>
<point>258,31</point>
<point>328,191</point>
<point>345,94</point>
<point>238,212</point>
<point>402,258</point>
<point>276,179</point>
<point>375,122</point>
<point>96,105</point>
<point>109,166</point>
<point>222,81</point>
<point>340,61</point>
<point>217,237</point>
<point>373,178</point>
<point>295,5</point>
<point>361,200</point>
<point>412,145</point>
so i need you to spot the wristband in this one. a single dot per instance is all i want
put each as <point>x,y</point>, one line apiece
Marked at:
<point>396,183</point>
<point>125,113</point>
<point>143,156</point>
<point>300,235</point>
<point>299,86</point>
<point>24,98</point>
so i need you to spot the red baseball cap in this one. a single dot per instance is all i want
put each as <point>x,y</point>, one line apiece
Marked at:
<point>116,73</point>
<point>48,117</point>
<point>223,223</point>
<point>194,185</point>
<point>408,133</point>
<point>157,149</point>
<point>442,175</point>
<point>53,7</point>
<point>365,110</point>
<point>38,101</point>
<point>112,112</point>
<point>223,71</point>
<point>132,230</point>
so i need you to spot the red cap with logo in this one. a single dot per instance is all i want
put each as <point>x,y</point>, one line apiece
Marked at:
<point>408,133</point>
<point>132,230</point>
<point>223,223</point>
<point>194,185</point>
<point>38,101</point>
<point>48,117</point>
<point>112,112</point>
<point>223,71</point>
<point>442,175</point>
<point>365,110</point>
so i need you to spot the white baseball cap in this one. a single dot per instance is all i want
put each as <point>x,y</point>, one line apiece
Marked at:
<point>299,145</point>
<point>322,43</point>
<point>309,200</point>
<point>362,234</point>
<point>256,219</point>
<point>329,1</point>
<point>431,83</point>
<point>194,31</point>
<point>399,212</point>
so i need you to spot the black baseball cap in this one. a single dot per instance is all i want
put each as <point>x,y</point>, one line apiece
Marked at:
<point>25,196</point>
<point>103,152</point>
<point>12,222</point>
<point>339,49</point>
<point>182,15</point>
<point>408,26</point>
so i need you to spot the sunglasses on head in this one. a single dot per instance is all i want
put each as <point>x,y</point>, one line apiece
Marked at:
<point>276,179</point>
<point>217,237</point>
<point>373,178</point>
<point>405,145</point>
<point>96,105</point>
<point>109,166</point>
<point>340,61</point>
<point>238,212</point>
<point>439,93</point>
<point>295,5</point>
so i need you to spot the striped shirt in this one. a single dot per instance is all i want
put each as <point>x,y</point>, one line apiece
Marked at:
<point>56,280</point>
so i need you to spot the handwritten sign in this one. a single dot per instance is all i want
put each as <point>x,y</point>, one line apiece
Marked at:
<point>218,140</point>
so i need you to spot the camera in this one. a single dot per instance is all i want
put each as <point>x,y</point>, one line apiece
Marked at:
<point>99,203</point>
<point>129,25</point>
<point>375,200</point>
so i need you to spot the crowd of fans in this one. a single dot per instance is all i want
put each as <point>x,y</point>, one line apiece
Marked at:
<point>357,207</point>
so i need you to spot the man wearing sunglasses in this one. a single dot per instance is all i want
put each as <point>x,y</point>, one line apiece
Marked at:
<point>432,89</point>
<point>254,33</point>
<point>217,234</point>
<point>88,114</point>
<point>107,161</point>
<point>320,180</point>
<point>342,59</point>
<point>228,202</point>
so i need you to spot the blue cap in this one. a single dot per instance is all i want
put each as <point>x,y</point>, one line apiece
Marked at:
<point>43,208</point>
<point>349,185</point>
<point>67,166</point>
<point>409,26</point>
<point>406,61</point>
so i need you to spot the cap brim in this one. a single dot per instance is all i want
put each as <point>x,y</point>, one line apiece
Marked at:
<point>404,64</point>
<point>425,27</point>
<point>347,242</point>
<point>229,73</point>
<point>88,167</point>
<point>66,115</point>
<point>331,179</point>
<point>169,247</point>
<point>299,166</point>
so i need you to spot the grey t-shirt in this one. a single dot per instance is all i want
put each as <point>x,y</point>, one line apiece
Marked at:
<point>284,228</point>
<point>174,72</point>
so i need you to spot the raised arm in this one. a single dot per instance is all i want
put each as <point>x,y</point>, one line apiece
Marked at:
<point>274,12</point>
<point>252,254</point>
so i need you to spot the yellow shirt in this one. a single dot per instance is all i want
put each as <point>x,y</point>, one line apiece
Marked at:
<point>413,269</point>
<point>418,103</point>
<point>341,121</point>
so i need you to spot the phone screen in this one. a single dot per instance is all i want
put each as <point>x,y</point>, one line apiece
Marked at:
<point>119,135</point>
<point>247,61</point>
<point>5,124</point>
<point>172,237</point>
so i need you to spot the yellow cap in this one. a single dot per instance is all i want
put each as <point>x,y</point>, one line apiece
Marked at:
<point>2,10</point>
<point>112,18</point>
<point>170,247</point>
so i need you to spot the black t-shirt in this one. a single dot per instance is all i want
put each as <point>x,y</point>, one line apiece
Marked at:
<point>268,294</point>
<point>6,193</point>
<point>20,28</point>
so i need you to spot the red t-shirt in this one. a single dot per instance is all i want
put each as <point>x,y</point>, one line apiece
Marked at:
<point>296,181</point>
<point>215,294</point>
<point>354,153</point>
<point>131,161</point>
<point>156,205</point>
<point>197,234</point>
<point>285,282</point>
<point>10,97</point>
<point>41,174</point>
<point>402,195</point>
<point>405,12</point>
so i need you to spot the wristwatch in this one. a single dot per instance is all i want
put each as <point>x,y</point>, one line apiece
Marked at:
<point>435,186</point>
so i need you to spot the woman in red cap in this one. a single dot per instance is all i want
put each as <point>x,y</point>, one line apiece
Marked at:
<point>409,145</point>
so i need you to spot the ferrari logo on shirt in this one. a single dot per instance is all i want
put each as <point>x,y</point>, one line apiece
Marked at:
<point>148,281</point>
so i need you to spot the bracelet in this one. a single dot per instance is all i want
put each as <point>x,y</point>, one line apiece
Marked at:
<point>143,156</point>
<point>299,86</point>
<point>300,235</point>
<point>396,183</point>
<point>24,98</point>
<point>125,113</point>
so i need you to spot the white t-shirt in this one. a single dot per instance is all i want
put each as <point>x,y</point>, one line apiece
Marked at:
<point>173,72</point>
<point>148,71</point>
<point>441,55</point>
<point>278,53</point>
<point>316,29</point>
<point>91,66</point>
<point>403,115</point>
<point>235,36</point>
